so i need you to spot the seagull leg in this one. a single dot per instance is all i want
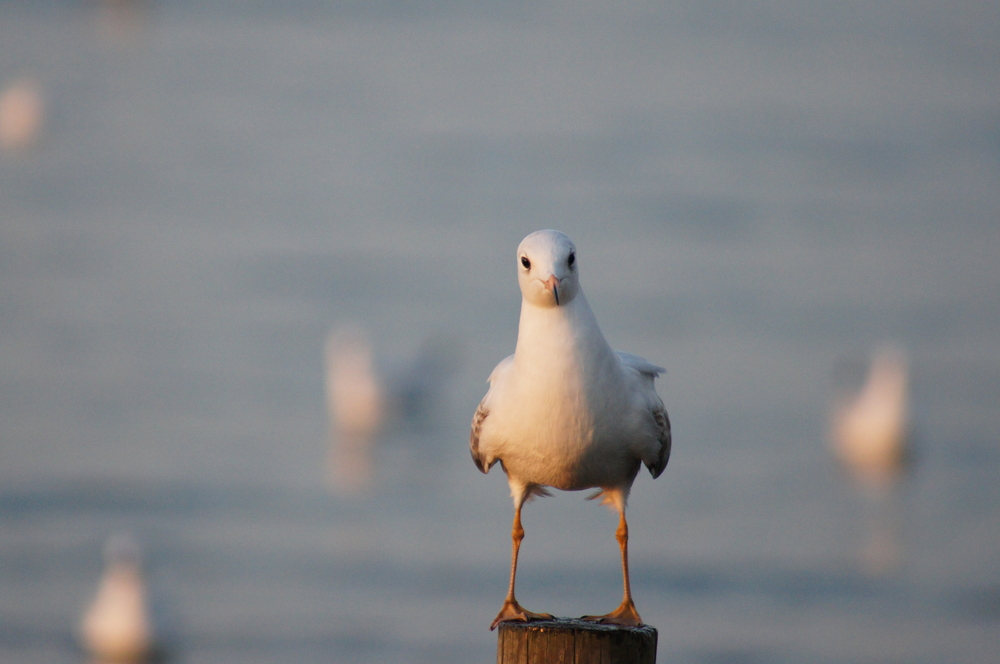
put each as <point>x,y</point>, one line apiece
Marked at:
<point>511,609</point>
<point>625,614</point>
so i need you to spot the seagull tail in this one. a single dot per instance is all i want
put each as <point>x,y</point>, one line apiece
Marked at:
<point>533,491</point>
<point>614,497</point>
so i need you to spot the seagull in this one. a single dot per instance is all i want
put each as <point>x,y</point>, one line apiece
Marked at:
<point>565,411</point>
<point>869,432</point>
<point>22,114</point>
<point>118,625</point>
<point>356,406</point>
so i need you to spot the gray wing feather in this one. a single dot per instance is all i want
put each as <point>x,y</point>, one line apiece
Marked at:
<point>640,364</point>
<point>482,462</point>
<point>663,424</point>
<point>477,427</point>
<point>660,417</point>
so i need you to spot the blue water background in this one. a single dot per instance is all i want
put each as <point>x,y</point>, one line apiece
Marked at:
<point>761,193</point>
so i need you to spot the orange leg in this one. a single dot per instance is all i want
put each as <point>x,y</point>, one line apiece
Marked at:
<point>625,614</point>
<point>511,609</point>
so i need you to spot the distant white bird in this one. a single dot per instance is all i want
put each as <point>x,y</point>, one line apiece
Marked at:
<point>868,433</point>
<point>121,21</point>
<point>118,625</point>
<point>355,403</point>
<point>566,411</point>
<point>22,114</point>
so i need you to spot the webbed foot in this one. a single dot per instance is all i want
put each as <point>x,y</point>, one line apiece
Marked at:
<point>513,611</point>
<point>623,615</point>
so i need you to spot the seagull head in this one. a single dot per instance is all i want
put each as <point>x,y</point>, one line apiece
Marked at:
<point>546,269</point>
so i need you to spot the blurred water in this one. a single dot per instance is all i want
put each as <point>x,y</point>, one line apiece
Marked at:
<point>760,193</point>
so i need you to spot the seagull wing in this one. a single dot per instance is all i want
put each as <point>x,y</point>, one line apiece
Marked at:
<point>483,461</point>
<point>640,364</point>
<point>663,425</point>
<point>477,425</point>
<point>662,421</point>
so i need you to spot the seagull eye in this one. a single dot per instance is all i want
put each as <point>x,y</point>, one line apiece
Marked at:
<point>525,262</point>
<point>572,259</point>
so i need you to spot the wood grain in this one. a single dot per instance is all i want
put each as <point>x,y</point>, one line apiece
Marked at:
<point>570,641</point>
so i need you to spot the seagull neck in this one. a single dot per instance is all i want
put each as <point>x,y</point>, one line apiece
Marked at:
<point>546,333</point>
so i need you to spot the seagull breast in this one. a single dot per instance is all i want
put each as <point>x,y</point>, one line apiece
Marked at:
<point>561,413</point>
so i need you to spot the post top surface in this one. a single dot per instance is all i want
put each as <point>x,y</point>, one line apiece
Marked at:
<point>574,624</point>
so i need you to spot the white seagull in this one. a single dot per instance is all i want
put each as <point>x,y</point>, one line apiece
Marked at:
<point>356,405</point>
<point>869,431</point>
<point>566,411</point>
<point>118,625</point>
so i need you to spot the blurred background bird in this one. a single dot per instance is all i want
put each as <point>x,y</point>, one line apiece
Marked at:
<point>356,406</point>
<point>118,625</point>
<point>869,430</point>
<point>22,114</point>
<point>371,399</point>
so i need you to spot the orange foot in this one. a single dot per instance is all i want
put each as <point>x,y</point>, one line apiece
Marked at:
<point>623,615</point>
<point>512,611</point>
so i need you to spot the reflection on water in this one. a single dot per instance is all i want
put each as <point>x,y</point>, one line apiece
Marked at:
<point>882,549</point>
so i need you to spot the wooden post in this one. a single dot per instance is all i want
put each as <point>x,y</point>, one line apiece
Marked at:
<point>570,641</point>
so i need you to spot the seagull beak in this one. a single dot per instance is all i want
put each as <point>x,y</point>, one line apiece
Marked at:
<point>553,284</point>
